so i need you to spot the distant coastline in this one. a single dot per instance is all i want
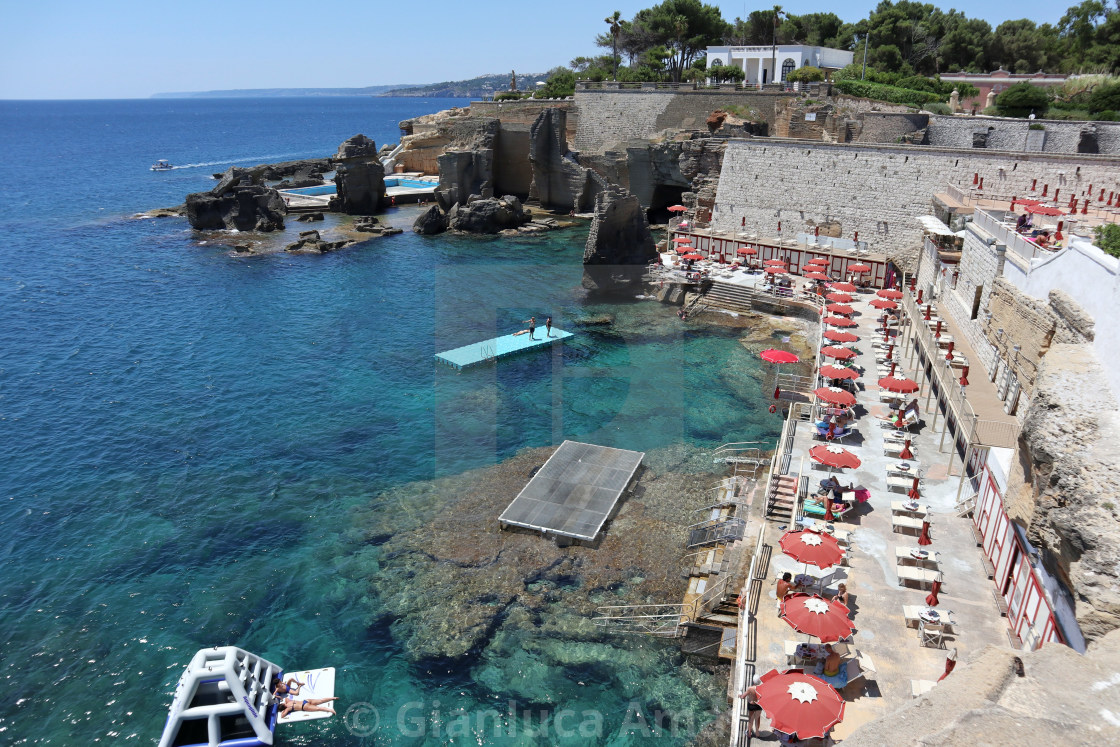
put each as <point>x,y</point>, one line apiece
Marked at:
<point>250,93</point>
<point>482,86</point>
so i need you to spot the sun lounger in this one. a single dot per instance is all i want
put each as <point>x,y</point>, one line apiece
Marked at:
<point>900,507</point>
<point>894,447</point>
<point>818,509</point>
<point>898,482</point>
<point>921,577</point>
<point>911,614</point>
<point>906,523</point>
<point>905,556</point>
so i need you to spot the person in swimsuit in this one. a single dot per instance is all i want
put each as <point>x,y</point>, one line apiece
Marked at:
<point>548,327</point>
<point>311,704</point>
<point>753,708</point>
<point>785,586</point>
<point>281,689</point>
<point>532,322</point>
<point>831,662</point>
<point>841,594</point>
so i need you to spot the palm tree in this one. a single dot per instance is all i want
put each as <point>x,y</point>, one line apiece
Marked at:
<point>615,22</point>
<point>778,13</point>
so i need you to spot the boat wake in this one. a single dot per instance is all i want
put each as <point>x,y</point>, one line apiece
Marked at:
<point>259,159</point>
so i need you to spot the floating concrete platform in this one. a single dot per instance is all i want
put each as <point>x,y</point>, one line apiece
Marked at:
<point>499,347</point>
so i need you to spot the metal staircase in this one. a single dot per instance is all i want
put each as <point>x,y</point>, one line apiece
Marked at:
<point>662,620</point>
<point>711,532</point>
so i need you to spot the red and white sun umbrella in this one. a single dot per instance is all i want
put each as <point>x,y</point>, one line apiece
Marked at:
<point>776,270</point>
<point>840,308</point>
<point>746,251</point>
<point>813,275</point>
<point>831,455</point>
<point>837,335</point>
<point>685,249</point>
<point>812,548</point>
<point>890,293</point>
<point>837,352</point>
<point>882,303</point>
<point>834,395</point>
<point>837,372</point>
<point>694,255</point>
<point>682,240</point>
<point>676,208</point>
<point>778,356</point>
<point>776,263</point>
<point>839,297</point>
<point>809,614</point>
<point>859,268</point>
<point>838,321</point>
<point>819,261</point>
<point>843,287</point>
<point>801,704</point>
<point>898,384</point>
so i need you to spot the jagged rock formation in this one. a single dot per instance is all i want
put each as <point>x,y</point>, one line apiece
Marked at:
<point>467,167</point>
<point>236,203</point>
<point>559,182</point>
<point>305,169</point>
<point>1050,696</point>
<point>359,177</point>
<point>433,221</point>
<point>619,245</point>
<point>311,243</point>
<point>488,215</point>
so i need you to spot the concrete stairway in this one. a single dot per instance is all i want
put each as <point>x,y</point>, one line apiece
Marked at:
<point>729,296</point>
<point>783,498</point>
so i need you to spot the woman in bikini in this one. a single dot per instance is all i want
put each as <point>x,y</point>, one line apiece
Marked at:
<point>281,689</point>
<point>311,704</point>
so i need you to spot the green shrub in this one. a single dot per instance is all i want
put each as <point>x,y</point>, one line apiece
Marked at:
<point>807,74</point>
<point>936,107</point>
<point>509,96</point>
<point>560,84</point>
<point>1021,99</point>
<point>1036,126</point>
<point>1106,116</point>
<point>1108,238</point>
<point>880,92</point>
<point>1105,98</point>
<point>918,83</point>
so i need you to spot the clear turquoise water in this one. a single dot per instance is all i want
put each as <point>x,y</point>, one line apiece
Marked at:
<point>186,434</point>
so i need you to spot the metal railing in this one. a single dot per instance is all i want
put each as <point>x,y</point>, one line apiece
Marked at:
<point>663,620</point>
<point>742,667</point>
<point>739,451</point>
<point>1006,235</point>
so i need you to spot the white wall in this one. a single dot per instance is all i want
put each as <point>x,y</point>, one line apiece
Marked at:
<point>1090,277</point>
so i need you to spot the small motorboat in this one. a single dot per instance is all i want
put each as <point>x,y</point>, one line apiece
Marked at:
<point>162,165</point>
<point>223,699</point>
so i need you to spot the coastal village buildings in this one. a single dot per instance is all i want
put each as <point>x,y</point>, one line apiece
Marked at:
<point>760,63</point>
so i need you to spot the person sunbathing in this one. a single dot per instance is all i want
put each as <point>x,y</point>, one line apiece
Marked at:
<point>309,705</point>
<point>281,689</point>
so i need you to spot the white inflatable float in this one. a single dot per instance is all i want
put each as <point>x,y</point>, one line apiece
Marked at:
<point>224,699</point>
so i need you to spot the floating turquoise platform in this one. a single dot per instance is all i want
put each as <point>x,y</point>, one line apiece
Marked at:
<point>498,347</point>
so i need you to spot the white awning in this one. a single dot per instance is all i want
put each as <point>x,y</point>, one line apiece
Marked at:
<point>932,225</point>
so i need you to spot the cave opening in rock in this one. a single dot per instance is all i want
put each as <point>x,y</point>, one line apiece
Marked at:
<point>663,196</point>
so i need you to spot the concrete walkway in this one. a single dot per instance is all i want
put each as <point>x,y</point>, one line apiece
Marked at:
<point>877,598</point>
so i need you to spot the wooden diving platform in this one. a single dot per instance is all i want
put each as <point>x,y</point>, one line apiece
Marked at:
<point>499,347</point>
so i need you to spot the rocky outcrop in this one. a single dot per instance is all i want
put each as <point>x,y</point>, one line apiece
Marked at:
<point>619,245</point>
<point>309,217</point>
<point>1050,696</point>
<point>1068,497</point>
<point>433,221</point>
<point>311,243</point>
<point>465,174</point>
<point>309,169</point>
<point>488,216</point>
<point>236,203</point>
<point>559,182</point>
<point>359,177</point>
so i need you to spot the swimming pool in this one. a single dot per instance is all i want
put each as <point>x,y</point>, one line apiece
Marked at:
<point>322,189</point>
<point>400,181</point>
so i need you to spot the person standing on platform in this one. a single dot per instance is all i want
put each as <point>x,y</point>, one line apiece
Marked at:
<point>532,322</point>
<point>548,327</point>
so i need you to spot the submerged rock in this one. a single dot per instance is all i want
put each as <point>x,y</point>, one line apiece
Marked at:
<point>311,243</point>
<point>433,221</point>
<point>488,215</point>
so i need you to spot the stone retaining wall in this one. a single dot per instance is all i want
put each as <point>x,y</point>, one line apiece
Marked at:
<point>1016,135</point>
<point>608,118</point>
<point>525,112</point>
<point>876,190</point>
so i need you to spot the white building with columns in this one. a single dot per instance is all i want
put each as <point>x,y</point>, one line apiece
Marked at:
<point>758,63</point>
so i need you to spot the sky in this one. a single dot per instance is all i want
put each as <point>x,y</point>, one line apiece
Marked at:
<point>68,49</point>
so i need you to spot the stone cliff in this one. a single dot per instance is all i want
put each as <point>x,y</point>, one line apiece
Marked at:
<point>619,245</point>
<point>559,181</point>
<point>359,177</point>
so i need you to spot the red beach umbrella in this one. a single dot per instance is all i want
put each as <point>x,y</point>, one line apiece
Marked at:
<point>682,240</point>
<point>923,539</point>
<point>839,297</point>
<point>819,261</point>
<point>694,255</point>
<point>776,263</point>
<point>779,356</point>
<point>950,664</point>
<point>832,455</point>
<point>800,703</point>
<point>834,395</point>
<point>840,308</point>
<point>890,293</point>
<point>882,303</point>
<point>913,493</point>
<point>837,335</point>
<point>813,275</point>
<point>1043,210</point>
<point>906,453</point>
<point>838,321</point>
<point>685,249</point>
<point>932,599</point>
<point>812,615</point>
<point>676,208</point>
<point>839,353</point>
<point>859,267</point>
<point>776,270</point>
<point>898,385</point>
<point>812,548</point>
<point>843,287</point>
<point>746,251</point>
<point>837,372</point>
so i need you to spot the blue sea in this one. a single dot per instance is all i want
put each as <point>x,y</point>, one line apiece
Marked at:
<point>188,435</point>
